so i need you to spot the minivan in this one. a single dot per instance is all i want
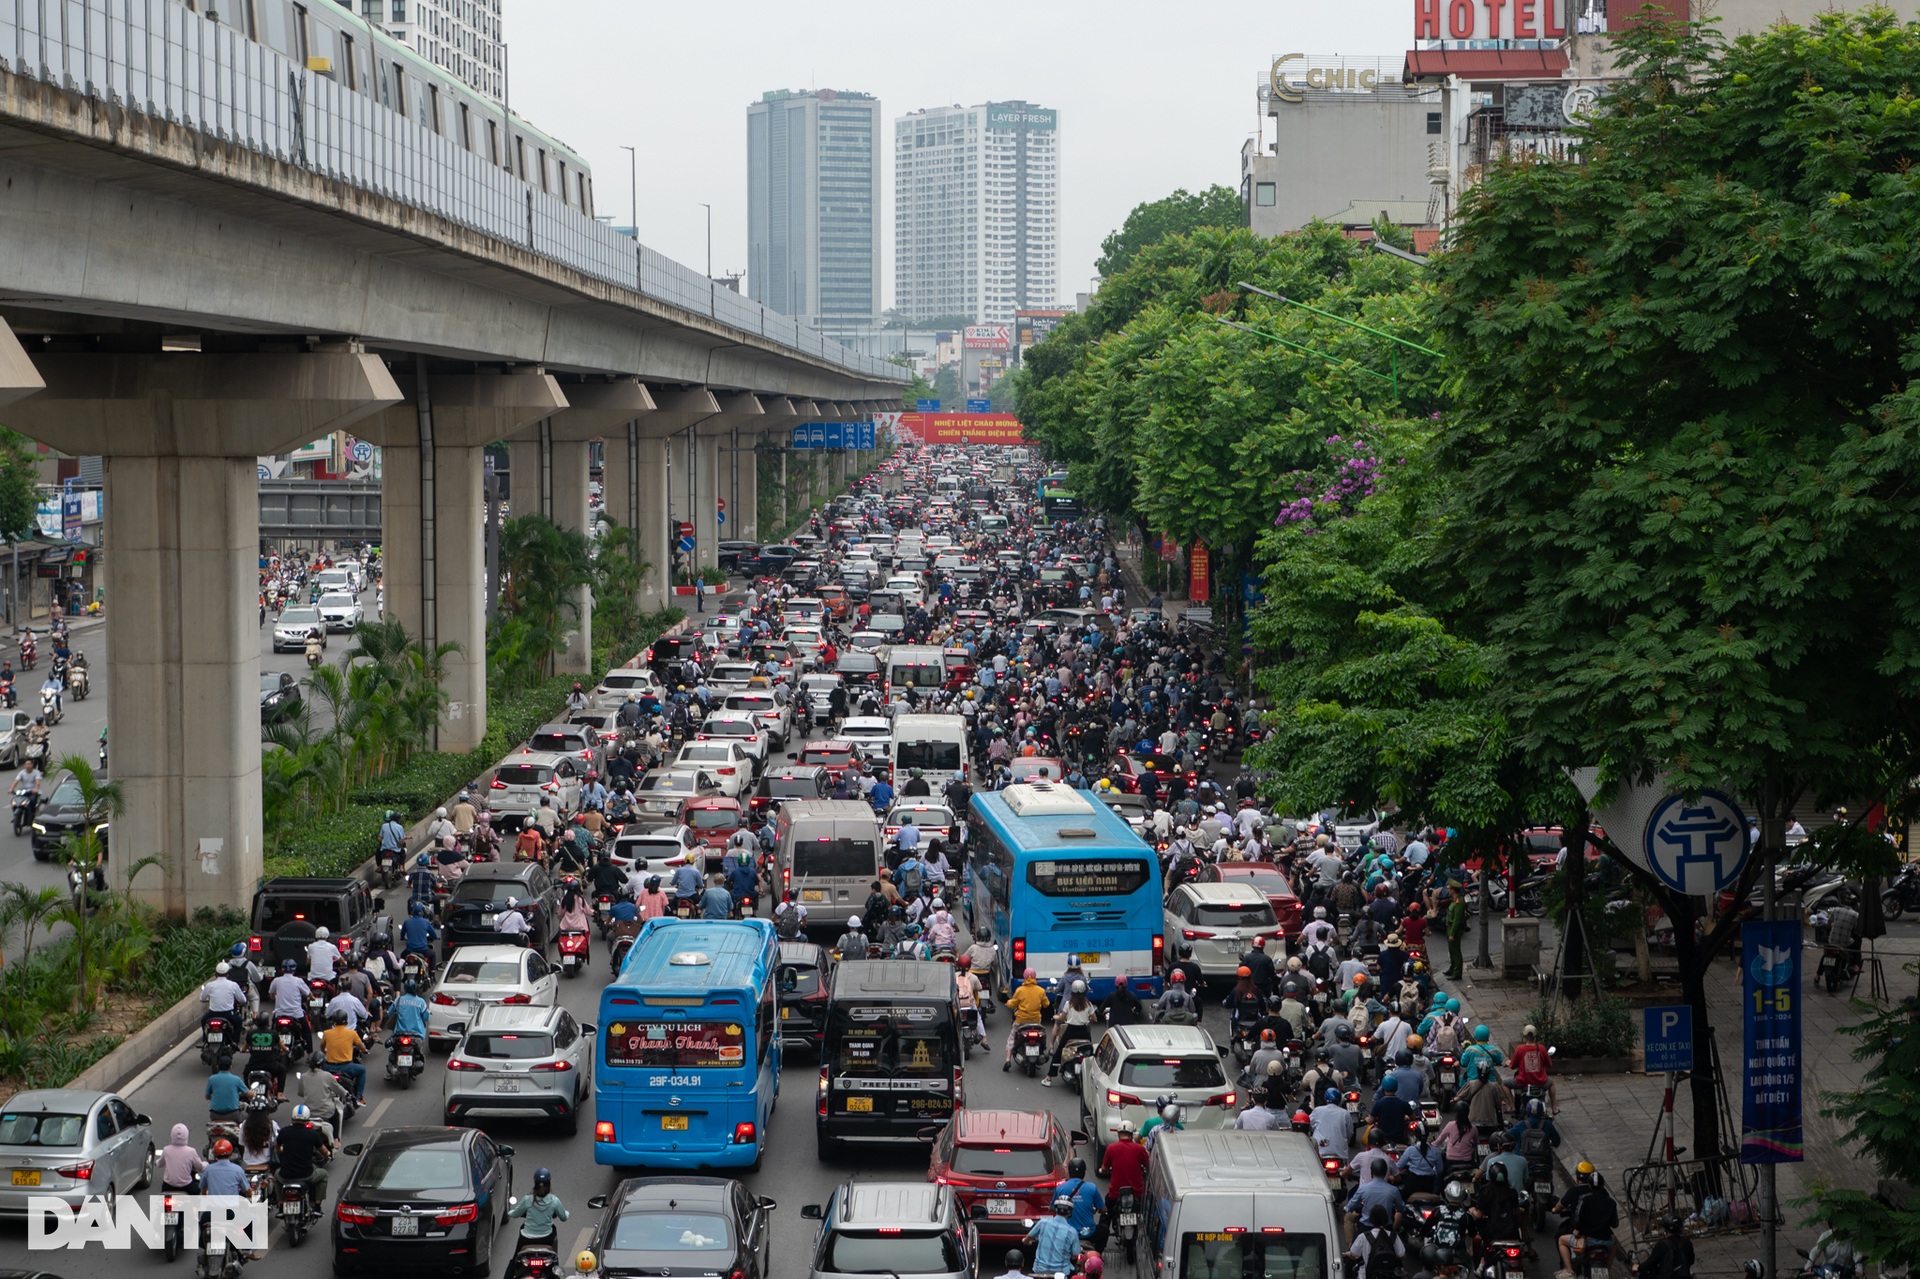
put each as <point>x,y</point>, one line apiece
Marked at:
<point>828,853</point>
<point>905,1229</point>
<point>1228,1202</point>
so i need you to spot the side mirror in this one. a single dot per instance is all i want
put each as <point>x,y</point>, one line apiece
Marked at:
<point>597,1202</point>
<point>457,1028</point>
<point>506,1151</point>
<point>1078,1138</point>
<point>353,1149</point>
<point>766,1204</point>
<point>142,1119</point>
<point>812,1212</point>
<point>587,1028</point>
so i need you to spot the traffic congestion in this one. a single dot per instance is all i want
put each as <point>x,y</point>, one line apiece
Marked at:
<point>933,822</point>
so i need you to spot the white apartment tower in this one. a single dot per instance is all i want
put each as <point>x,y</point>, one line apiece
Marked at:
<point>461,36</point>
<point>976,211</point>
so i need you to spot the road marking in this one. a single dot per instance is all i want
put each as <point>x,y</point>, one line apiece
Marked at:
<point>379,1109</point>
<point>146,1076</point>
<point>579,1243</point>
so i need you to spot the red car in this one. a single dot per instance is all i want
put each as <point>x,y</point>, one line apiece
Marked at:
<point>1269,880</point>
<point>712,819</point>
<point>1008,1161</point>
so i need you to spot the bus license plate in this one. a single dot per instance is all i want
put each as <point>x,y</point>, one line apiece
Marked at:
<point>813,894</point>
<point>673,1123</point>
<point>863,1105</point>
<point>506,1085</point>
<point>24,1177</point>
<point>406,1225</point>
<point>1089,957</point>
<point>999,1207</point>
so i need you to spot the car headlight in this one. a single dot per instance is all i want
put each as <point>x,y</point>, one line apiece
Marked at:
<point>38,829</point>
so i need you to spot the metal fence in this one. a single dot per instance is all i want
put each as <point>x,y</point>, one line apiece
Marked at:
<point>155,57</point>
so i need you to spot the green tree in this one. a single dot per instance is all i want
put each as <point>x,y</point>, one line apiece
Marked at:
<point>1181,213</point>
<point>617,578</point>
<point>946,385</point>
<point>543,566</point>
<point>1684,427</point>
<point>918,389</point>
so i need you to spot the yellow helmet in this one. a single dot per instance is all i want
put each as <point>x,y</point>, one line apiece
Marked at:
<point>1584,1168</point>
<point>586,1262</point>
<point>1105,783</point>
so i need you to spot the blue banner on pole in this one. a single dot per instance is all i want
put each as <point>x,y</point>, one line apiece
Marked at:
<point>1770,1113</point>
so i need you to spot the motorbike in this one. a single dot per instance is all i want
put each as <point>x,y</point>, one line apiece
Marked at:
<point>313,659</point>
<point>1902,893</point>
<point>534,1258</point>
<point>28,653</point>
<point>622,943</point>
<point>319,991</point>
<point>1072,1053</point>
<point>387,863</point>
<point>603,914</point>
<point>215,1032</point>
<point>1030,1048</point>
<point>297,1210</point>
<point>8,697</point>
<point>416,967</point>
<point>1838,966</point>
<point>77,885</point>
<point>1126,1222</point>
<point>293,1037</point>
<point>1447,1075</point>
<point>103,750</point>
<point>406,1058</point>
<point>24,802</point>
<point>79,683</point>
<point>573,951</point>
<point>175,1230</point>
<point>50,706</point>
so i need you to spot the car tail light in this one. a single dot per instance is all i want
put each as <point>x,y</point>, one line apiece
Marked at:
<point>1223,1099</point>
<point>347,1213</point>
<point>1115,1098</point>
<point>518,999</point>
<point>253,944</point>
<point>76,1172</point>
<point>603,1130</point>
<point>820,1102</point>
<point>458,1215</point>
<point>1191,934</point>
<point>1273,1230</point>
<point>724,772</point>
<point>744,1133</point>
<point>455,1063</point>
<point>445,1000</point>
<point>560,1066</point>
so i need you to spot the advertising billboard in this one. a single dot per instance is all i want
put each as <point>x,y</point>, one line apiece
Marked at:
<point>1018,115</point>
<point>989,337</point>
<point>963,428</point>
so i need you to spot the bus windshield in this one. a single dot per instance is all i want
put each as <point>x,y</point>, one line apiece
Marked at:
<point>706,1045</point>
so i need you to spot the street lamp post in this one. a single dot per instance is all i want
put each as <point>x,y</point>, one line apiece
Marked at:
<point>633,177</point>
<point>711,302</point>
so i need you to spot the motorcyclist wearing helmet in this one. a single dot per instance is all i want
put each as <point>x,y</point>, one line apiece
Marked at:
<point>1122,1007</point>
<point>1029,1004</point>
<point>608,880</point>
<point>322,955</point>
<point>1672,1256</point>
<point>1186,963</point>
<point>1087,1216</point>
<point>408,1016</point>
<point>393,838</point>
<point>1074,1020</point>
<point>1054,1239</point>
<point>593,795</point>
<point>1016,1265</point>
<point>1178,1003</point>
<point>440,827</point>
<point>1588,1212</point>
<point>540,1210</point>
<point>299,1149</point>
<point>263,1051</point>
<point>1534,1132</point>
<point>423,883</point>
<point>418,933</point>
<point>225,997</point>
<point>652,904</point>
<point>1482,1058</point>
<point>223,1174</point>
<point>1453,1224</point>
<point>852,944</point>
<point>1332,1126</point>
<point>983,955</point>
<point>1168,1115</point>
<point>1530,1062</point>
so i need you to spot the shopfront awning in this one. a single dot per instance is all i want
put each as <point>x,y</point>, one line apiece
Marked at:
<point>1486,64</point>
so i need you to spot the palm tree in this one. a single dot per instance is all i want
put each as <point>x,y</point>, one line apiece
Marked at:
<point>543,567</point>
<point>27,910</point>
<point>94,927</point>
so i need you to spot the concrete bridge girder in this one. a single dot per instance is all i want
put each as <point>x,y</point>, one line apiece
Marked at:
<point>182,435</point>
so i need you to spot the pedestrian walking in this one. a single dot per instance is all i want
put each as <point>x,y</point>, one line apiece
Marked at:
<point>1456,928</point>
<point>699,594</point>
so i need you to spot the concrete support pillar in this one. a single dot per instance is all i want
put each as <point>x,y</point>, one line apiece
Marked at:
<point>779,417</point>
<point>569,481</point>
<point>664,499</point>
<point>182,434</point>
<point>713,471</point>
<point>610,412</point>
<point>433,551</point>
<point>785,453</point>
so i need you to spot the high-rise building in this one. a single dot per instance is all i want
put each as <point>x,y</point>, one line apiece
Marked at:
<point>813,206</point>
<point>463,36</point>
<point>976,215</point>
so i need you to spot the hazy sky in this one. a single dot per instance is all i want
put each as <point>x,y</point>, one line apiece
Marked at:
<point>1151,96</point>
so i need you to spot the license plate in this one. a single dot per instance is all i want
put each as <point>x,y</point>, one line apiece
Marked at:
<point>405,1059</point>
<point>1448,1077</point>
<point>813,894</point>
<point>173,1219</point>
<point>1129,1218</point>
<point>22,1177</point>
<point>1543,1187</point>
<point>1089,957</point>
<point>861,1105</point>
<point>999,1207</point>
<point>506,1085</point>
<point>673,1123</point>
<point>406,1225</point>
<point>214,1036</point>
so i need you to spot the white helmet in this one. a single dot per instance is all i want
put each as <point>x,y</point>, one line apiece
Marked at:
<point>321,934</point>
<point>223,968</point>
<point>303,1112</point>
<point>439,812</point>
<point>853,922</point>
<point>513,903</point>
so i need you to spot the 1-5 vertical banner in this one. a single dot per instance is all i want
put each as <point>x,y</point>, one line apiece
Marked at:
<point>1770,1114</point>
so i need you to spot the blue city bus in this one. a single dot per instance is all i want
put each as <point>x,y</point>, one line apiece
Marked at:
<point>688,1063</point>
<point>1058,875</point>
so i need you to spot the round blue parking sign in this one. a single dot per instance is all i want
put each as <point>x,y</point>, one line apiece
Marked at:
<point>1697,847</point>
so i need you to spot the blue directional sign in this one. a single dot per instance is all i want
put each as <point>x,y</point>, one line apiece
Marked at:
<point>686,545</point>
<point>979,406</point>
<point>1668,1036</point>
<point>817,435</point>
<point>799,436</point>
<point>926,406</point>
<point>836,435</point>
<point>866,435</point>
<point>1697,847</point>
<point>720,517</point>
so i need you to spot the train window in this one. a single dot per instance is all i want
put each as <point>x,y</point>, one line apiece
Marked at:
<point>300,47</point>
<point>466,128</point>
<point>349,73</point>
<point>563,182</point>
<point>433,107</point>
<point>493,143</point>
<point>586,196</point>
<point>399,79</point>
<point>543,168</point>
<point>520,156</point>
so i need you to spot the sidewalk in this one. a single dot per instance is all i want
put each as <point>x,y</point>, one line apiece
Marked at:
<point>1612,1120</point>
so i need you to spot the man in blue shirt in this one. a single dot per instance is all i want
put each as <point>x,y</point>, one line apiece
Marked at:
<point>881,796</point>
<point>408,1016</point>
<point>716,902</point>
<point>594,793</point>
<point>686,881</point>
<point>393,836</point>
<point>224,1175</point>
<point>743,880</point>
<point>225,1091</point>
<point>1375,1191</point>
<point>417,933</point>
<point>1087,1203</point>
<point>1054,1241</point>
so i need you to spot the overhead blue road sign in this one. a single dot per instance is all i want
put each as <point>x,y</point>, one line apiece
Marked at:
<point>926,406</point>
<point>979,406</point>
<point>1668,1037</point>
<point>817,435</point>
<point>799,436</point>
<point>866,435</point>
<point>836,435</point>
<point>1697,848</point>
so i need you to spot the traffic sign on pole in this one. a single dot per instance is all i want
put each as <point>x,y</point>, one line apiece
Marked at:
<point>721,502</point>
<point>686,545</point>
<point>683,529</point>
<point>1668,1036</point>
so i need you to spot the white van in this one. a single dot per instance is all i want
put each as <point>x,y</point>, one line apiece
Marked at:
<point>828,852</point>
<point>934,744</point>
<point>1225,1202</point>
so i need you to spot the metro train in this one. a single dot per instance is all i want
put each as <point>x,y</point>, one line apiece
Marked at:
<point>354,50</point>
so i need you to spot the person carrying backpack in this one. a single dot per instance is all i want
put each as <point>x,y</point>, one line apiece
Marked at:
<point>1589,1213</point>
<point>1672,1256</point>
<point>1378,1252</point>
<point>789,918</point>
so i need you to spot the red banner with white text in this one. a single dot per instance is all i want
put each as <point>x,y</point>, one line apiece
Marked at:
<point>964,428</point>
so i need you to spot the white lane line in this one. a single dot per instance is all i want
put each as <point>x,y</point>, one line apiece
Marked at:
<point>379,1109</point>
<point>146,1076</point>
<point>579,1245</point>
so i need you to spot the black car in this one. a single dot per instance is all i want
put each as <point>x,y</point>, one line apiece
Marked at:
<point>62,813</point>
<point>733,556</point>
<point>280,696</point>
<point>289,912</point>
<point>804,980</point>
<point>422,1198</point>
<point>480,898</point>
<point>790,781</point>
<point>772,559</point>
<point>669,651</point>
<point>671,1226</point>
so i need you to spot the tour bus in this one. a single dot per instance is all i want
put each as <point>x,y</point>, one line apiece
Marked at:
<point>689,1055</point>
<point>1057,875</point>
<point>1222,1202</point>
<point>934,744</point>
<point>922,667</point>
<point>890,1060</point>
<point>828,852</point>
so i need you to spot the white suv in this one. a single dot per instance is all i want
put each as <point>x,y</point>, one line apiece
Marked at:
<point>1134,1065</point>
<point>1220,922</point>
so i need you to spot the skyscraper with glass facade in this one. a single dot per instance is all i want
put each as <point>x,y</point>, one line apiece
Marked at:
<point>813,206</point>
